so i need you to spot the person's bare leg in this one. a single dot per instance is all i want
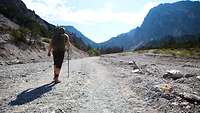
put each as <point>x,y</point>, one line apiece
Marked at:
<point>54,68</point>
<point>56,74</point>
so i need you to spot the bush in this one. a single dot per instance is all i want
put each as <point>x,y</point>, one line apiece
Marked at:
<point>93,52</point>
<point>18,36</point>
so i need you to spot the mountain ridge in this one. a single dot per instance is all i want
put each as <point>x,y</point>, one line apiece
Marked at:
<point>15,7</point>
<point>86,40</point>
<point>169,19</point>
<point>24,35</point>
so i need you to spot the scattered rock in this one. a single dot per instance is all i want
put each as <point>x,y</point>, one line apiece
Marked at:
<point>8,63</point>
<point>33,60</point>
<point>23,75</point>
<point>16,61</point>
<point>198,77</point>
<point>4,38</point>
<point>167,96</point>
<point>131,62</point>
<point>184,103</point>
<point>59,111</point>
<point>181,80</point>
<point>121,61</point>
<point>174,74</point>
<point>2,41</point>
<point>1,63</point>
<point>174,103</point>
<point>121,75</point>
<point>190,65</point>
<point>189,75</point>
<point>136,71</point>
<point>192,98</point>
<point>188,107</point>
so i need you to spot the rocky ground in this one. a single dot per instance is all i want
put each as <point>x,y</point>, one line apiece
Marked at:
<point>115,83</point>
<point>152,78</point>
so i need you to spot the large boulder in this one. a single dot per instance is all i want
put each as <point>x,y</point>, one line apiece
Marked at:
<point>173,74</point>
<point>192,98</point>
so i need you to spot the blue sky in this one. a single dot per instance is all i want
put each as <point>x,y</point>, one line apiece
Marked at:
<point>99,20</point>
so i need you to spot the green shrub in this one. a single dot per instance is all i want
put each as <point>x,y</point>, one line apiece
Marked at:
<point>93,52</point>
<point>18,36</point>
<point>181,52</point>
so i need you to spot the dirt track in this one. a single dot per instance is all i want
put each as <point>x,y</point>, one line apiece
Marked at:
<point>95,85</point>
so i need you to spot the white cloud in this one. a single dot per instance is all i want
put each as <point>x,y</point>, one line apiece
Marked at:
<point>53,10</point>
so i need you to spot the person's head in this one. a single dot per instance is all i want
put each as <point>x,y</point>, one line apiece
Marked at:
<point>59,30</point>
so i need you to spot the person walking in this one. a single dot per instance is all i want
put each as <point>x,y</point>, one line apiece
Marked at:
<point>58,45</point>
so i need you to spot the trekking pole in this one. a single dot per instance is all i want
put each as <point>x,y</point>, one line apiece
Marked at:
<point>68,62</point>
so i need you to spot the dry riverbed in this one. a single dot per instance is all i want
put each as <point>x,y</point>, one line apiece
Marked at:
<point>106,84</point>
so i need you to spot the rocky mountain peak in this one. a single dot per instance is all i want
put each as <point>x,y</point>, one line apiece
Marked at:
<point>165,20</point>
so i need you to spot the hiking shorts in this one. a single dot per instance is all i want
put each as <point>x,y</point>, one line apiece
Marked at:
<point>58,57</point>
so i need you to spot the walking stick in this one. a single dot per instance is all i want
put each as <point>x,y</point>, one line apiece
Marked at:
<point>68,62</point>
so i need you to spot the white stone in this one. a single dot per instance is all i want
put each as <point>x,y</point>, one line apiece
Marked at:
<point>174,103</point>
<point>130,62</point>
<point>184,103</point>
<point>135,70</point>
<point>198,77</point>
<point>174,74</point>
<point>173,71</point>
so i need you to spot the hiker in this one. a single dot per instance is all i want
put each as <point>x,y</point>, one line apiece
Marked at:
<point>58,48</point>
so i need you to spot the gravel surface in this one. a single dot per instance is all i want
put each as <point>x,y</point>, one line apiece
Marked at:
<point>103,84</point>
<point>164,95</point>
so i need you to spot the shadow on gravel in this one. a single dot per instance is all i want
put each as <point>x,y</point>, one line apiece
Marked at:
<point>31,94</point>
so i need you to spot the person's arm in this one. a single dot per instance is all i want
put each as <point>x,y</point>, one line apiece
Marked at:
<point>50,48</point>
<point>67,42</point>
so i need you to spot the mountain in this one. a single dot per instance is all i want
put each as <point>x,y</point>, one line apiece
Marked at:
<point>23,34</point>
<point>80,36</point>
<point>31,24</point>
<point>174,20</point>
<point>17,12</point>
<point>122,40</point>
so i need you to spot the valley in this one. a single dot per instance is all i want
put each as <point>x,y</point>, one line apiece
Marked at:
<point>154,68</point>
<point>105,84</point>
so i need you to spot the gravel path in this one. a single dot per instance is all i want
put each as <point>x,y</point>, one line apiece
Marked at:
<point>98,85</point>
<point>91,88</point>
